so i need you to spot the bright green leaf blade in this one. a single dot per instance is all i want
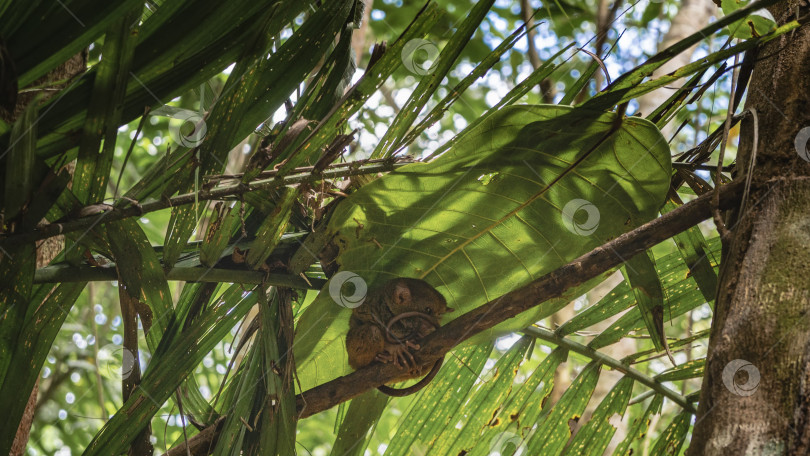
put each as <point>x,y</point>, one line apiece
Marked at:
<point>595,436</point>
<point>19,179</point>
<point>643,278</point>
<point>695,253</point>
<point>524,405</point>
<point>671,440</point>
<point>639,428</point>
<point>682,296</point>
<point>430,77</point>
<point>433,410</point>
<point>757,24</point>
<point>674,276</point>
<point>690,369</point>
<point>554,431</point>
<point>484,403</point>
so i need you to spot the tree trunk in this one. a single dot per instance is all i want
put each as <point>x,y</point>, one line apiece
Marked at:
<point>755,397</point>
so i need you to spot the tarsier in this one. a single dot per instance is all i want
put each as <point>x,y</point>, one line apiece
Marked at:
<point>387,326</point>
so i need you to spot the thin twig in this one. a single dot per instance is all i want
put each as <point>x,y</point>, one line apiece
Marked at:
<point>65,274</point>
<point>749,173</point>
<point>718,180</point>
<point>613,363</point>
<point>131,147</point>
<point>85,223</point>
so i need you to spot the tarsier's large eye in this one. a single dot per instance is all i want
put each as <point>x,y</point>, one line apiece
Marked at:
<point>428,311</point>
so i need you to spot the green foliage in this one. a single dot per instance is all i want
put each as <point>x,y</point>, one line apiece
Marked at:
<point>757,24</point>
<point>517,188</point>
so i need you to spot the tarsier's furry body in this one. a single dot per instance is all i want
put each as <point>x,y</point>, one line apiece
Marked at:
<point>387,325</point>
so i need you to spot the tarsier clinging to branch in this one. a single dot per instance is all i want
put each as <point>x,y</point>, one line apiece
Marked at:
<point>387,326</point>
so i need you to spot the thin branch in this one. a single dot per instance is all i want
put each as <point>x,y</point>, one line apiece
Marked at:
<point>718,218</point>
<point>66,273</point>
<point>118,213</point>
<point>613,363</point>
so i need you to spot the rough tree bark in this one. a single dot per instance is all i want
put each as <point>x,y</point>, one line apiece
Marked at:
<point>761,404</point>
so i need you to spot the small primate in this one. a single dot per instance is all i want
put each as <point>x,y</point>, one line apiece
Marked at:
<point>387,325</point>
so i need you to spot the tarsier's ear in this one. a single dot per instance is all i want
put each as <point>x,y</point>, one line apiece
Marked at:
<point>402,294</point>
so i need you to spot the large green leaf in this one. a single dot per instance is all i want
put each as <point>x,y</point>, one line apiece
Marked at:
<point>524,192</point>
<point>757,24</point>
